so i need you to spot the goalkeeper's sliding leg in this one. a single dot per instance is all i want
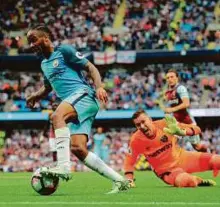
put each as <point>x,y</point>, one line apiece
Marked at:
<point>192,162</point>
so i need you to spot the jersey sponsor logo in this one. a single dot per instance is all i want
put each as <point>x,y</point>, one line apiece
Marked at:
<point>174,101</point>
<point>55,63</point>
<point>161,150</point>
<point>56,74</point>
<point>79,55</point>
<point>164,138</point>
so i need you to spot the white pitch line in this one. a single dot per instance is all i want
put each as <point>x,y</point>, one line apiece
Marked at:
<point>16,177</point>
<point>112,203</point>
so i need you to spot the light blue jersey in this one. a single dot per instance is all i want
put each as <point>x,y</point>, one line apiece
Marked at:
<point>98,142</point>
<point>98,139</point>
<point>63,71</point>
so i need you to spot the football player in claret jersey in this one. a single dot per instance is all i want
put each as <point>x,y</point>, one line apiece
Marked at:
<point>156,140</point>
<point>73,118</point>
<point>178,100</point>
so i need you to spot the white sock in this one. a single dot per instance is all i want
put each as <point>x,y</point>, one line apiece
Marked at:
<point>95,163</point>
<point>52,144</point>
<point>63,146</point>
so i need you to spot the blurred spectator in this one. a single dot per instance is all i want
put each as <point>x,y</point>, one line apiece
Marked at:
<point>89,25</point>
<point>23,150</point>
<point>127,88</point>
<point>105,149</point>
<point>98,139</point>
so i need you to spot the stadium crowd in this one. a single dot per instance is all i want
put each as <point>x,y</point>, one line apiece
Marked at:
<point>127,89</point>
<point>91,25</point>
<point>26,150</point>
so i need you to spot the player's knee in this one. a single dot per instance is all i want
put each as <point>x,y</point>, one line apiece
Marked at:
<point>185,180</point>
<point>79,150</point>
<point>56,117</point>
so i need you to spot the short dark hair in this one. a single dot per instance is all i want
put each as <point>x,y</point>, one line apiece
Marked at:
<point>138,113</point>
<point>173,71</point>
<point>43,28</point>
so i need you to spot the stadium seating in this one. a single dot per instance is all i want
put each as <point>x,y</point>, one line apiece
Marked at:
<point>127,89</point>
<point>121,25</point>
<point>25,150</point>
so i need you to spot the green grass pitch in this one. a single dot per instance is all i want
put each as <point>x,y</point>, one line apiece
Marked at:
<point>88,189</point>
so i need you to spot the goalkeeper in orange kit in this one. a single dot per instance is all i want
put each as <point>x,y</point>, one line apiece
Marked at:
<point>157,141</point>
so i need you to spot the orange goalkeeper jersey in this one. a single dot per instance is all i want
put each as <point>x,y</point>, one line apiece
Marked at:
<point>162,152</point>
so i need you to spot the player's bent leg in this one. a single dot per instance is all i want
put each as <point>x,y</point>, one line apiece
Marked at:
<point>63,112</point>
<point>62,134</point>
<point>92,161</point>
<point>187,180</point>
<point>202,162</point>
<point>177,177</point>
<point>78,146</point>
<point>62,169</point>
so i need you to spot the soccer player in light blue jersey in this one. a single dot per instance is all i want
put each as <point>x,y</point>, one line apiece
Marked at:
<point>73,118</point>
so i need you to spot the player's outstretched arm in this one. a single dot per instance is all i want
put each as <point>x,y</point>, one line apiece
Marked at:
<point>94,74</point>
<point>172,126</point>
<point>33,98</point>
<point>175,128</point>
<point>129,163</point>
<point>190,129</point>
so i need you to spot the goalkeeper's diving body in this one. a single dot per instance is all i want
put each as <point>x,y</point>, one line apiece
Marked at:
<point>174,165</point>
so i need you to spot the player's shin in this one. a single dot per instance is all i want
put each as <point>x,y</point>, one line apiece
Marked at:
<point>95,163</point>
<point>63,147</point>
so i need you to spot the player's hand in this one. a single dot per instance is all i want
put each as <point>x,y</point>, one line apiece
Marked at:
<point>168,110</point>
<point>102,94</point>
<point>31,100</point>
<point>172,126</point>
<point>131,183</point>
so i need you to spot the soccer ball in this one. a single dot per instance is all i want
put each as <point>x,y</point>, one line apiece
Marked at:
<point>44,185</point>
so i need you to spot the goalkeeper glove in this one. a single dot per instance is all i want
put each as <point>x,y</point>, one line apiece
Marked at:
<point>172,126</point>
<point>131,183</point>
<point>130,177</point>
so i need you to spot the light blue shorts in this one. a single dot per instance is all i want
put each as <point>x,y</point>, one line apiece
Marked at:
<point>195,139</point>
<point>86,106</point>
<point>192,139</point>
